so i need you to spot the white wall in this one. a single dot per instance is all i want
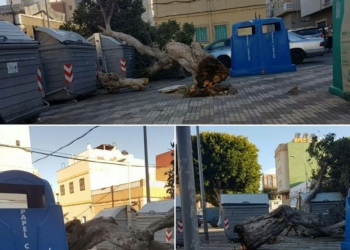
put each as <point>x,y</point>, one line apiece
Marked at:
<point>309,7</point>
<point>12,158</point>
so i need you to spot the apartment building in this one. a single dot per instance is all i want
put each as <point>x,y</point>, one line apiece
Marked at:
<point>118,195</point>
<point>268,181</point>
<point>163,165</point>
<point>301,13</point>
<point>292,165</point>
<point>14,158</point>
<point>318,11</point>
<point>212,19</point>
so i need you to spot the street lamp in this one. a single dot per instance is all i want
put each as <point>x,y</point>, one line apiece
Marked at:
<point>124,152</point>
<point>293,156</point>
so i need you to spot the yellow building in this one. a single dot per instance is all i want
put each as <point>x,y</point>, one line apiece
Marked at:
<point>269,181</point>
<point>213,19</point>
<point>93,172</point>
<point>104,198</point>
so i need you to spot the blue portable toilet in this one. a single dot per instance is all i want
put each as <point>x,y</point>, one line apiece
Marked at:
<point>29,217</point>
<point>265,51</point>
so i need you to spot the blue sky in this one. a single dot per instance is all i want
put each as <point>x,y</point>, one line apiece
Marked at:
<point>267,138</point>
<point>129,138</point>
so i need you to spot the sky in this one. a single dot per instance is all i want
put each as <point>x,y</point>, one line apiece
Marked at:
<point>267,138</point>
<point>2,2</point>
<point>129,138</point>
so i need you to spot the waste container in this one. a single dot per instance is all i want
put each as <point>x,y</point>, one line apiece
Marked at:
<point>113,55</point>
<point>327,204</point>
<point>153,211</point>
<point>179,225</point>
<point>239,207</point>
<point>69,63</point>
<point>341,49</point>
<point>29,217</point>
<point>21,79</point>
<point>120,214</point>
<point>260,46</point>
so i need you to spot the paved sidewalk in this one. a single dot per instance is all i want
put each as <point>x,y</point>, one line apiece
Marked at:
<point>260,100</point>
<point>284,243</point>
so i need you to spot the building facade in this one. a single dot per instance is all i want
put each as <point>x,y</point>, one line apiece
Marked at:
<point>301,13</point>
<point>95,169</point>
<point>14,158</point>
<point>292,165</point>
<point>212,19</point>
<point>269,181</point>
<point>163,165</point>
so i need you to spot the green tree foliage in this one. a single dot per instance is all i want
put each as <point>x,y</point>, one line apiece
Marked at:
<point>230,165</point>
<point>334,155</point>
<point>126,18</point>
<point>172,30</point>
<point>271,192</point>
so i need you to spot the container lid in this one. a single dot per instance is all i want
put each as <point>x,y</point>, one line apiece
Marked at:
<point>10,33</point>
<point>324,197</point>
<point>157,207</point>
<point>63,36</point>
<point>111,212</point>
<point>244,199</point>
<point>112,39</point>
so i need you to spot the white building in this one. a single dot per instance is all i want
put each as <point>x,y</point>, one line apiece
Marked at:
<point>14,158</point>
<point>148,16</point>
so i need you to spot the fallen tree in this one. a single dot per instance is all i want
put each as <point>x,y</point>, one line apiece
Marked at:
<point>259,230</point>
<point>86,236</point>
<point>114,82</point>
<point>206,70</point>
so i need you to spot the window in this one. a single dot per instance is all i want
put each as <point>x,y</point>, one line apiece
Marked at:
<point>100,157</point>
<point>246,31</point>
<point>218,45</point>
<point>71,187</point>
<point>201,35</point>
<point>220,32</point>
<point>70,7</point>
<point>18,143</point>
<point>82,184</point>
<point>62,190</point>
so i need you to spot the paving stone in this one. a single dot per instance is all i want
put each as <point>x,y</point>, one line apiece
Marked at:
<point>260,100</point>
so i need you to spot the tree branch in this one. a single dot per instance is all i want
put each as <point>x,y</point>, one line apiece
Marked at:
<point>88,235</point>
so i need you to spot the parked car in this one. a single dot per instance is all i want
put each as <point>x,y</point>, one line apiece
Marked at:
<point>221,49</point>
<point>300,48</point>
<point>310,32</point>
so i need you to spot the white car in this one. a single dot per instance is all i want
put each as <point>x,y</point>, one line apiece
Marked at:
<point>300,48</point>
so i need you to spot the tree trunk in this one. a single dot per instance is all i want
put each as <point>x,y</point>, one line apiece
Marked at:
<point>257,231</point>
<point>88,235</point>
<point>114,82</point>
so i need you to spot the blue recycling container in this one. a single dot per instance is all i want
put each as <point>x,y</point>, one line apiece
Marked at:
<point>245,49</point>
<point>29,217</point>
<point>265,50</point>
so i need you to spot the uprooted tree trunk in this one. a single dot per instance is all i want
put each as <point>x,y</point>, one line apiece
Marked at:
<point>86,236</point>
<point>259,230</point>
<point>114,82</point>
<point>206,69</point>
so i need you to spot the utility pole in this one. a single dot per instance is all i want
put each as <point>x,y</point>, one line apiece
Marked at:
<point>146,164</point>
<point>201,181</point>
<point>47,15</point>
<point>187,187</point>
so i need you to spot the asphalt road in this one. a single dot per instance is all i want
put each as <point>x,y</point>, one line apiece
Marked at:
<point>327,59</point>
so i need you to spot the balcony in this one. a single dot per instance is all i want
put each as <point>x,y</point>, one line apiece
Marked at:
<point>287,7</point>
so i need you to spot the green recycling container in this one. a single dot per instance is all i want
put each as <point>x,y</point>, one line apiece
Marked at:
<point>341,49</point>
